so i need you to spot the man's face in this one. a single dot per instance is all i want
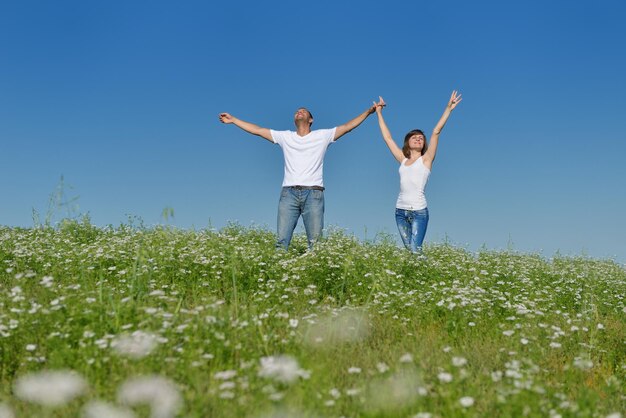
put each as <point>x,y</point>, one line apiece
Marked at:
<point>302,114</point>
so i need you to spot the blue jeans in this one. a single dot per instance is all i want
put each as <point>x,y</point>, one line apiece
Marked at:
<point>294,203</point>
<point>412,225</point>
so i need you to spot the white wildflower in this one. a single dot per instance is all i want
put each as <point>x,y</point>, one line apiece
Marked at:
<point>345,327</point>
<point>406,358</point>
<point>353,391</point>
<point>583,364</point>
<point>136,345</point>
<point>100,409</point>
<point>50,388</point>
<point>225,375</point>
<point>276,396</point>
<point>47,281</point>
<point>555,345</point>
<point>354,370</point>
<point>101,343</point>
<point>466,401</point>
<point>394,392</point>
<point>335,393</point>
<point>227,385</point>
<point>444,377</point>
<point>31,347</point>
<point>458,361</point>
<point>226,395</point>
<point>158,392</point>
<point>5,411</point>
<point>382,367</point>
<point>156,293</point>
<point>284,369</point>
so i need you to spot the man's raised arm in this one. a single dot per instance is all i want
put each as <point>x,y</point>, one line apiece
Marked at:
<point>247,126</point>
<point>347,127</point>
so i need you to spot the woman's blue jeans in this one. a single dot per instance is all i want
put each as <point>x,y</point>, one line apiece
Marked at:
<point>295,202</point>
<point>412,225</point>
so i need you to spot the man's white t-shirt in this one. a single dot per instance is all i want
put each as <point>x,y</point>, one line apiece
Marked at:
<point>304,155</point>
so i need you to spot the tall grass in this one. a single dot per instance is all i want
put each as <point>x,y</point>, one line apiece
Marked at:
<point>237,328</point>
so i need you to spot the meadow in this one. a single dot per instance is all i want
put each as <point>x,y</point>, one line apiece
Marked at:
<point>160,322</point>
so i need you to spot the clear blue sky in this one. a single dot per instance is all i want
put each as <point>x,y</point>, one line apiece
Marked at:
<point>122,98</point>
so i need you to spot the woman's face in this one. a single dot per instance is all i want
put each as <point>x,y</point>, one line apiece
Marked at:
<point>416,141</point>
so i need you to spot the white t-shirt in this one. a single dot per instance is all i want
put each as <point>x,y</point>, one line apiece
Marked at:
<point>304,155</point>
<point>413,181</point>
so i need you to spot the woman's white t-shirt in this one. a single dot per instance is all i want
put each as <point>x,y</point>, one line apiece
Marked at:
<point>413,179</point>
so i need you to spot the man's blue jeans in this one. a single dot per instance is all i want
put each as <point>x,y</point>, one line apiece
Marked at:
<point>295,202</point>
<point>412,225</point>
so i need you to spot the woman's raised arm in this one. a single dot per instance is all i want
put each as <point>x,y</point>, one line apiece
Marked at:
<point>430,154</point>
<point>391,144</point>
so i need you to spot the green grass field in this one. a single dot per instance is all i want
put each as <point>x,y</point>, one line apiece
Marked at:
<point>163,322</point>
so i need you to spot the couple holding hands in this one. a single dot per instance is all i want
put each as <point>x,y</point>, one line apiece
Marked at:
<point>302,191</point>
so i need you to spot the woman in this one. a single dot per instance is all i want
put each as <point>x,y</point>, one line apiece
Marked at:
<point>416,160</point>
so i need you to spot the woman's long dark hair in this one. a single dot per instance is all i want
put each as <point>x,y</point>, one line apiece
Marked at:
<point>405,148</point>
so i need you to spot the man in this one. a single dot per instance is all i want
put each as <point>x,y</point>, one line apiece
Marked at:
<point>303,186</point>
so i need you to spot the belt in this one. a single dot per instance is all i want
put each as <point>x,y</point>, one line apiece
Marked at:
<point>306,187</point>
